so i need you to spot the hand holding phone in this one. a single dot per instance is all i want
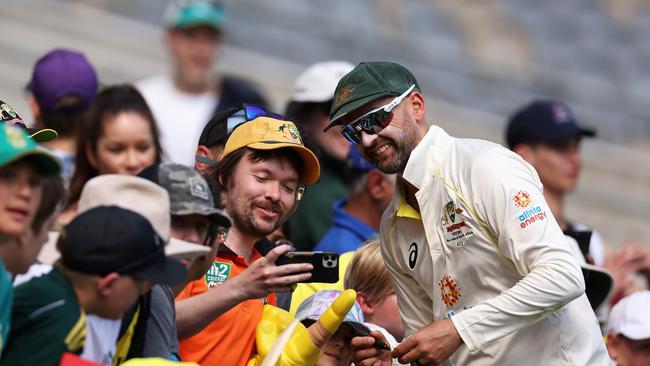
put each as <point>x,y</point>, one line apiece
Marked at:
<point>326,264</point>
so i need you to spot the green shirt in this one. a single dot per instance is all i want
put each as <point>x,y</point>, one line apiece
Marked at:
<point>6,296</point>
<point>46,322</point>
<point>314,214</point>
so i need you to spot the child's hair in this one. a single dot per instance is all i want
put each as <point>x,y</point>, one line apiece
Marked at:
<point>367,273</point>
<point>53,197</point>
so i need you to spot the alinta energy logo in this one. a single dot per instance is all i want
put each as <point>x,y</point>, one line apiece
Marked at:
<point>530,215</point>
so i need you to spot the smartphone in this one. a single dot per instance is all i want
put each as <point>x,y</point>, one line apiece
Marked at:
<point>326,264</point>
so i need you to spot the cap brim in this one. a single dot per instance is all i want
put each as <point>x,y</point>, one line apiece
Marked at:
<point>48,164</point>
<point>166,271</point>
<point>180,249</point>
<point>214,214</point>
<point>598,284</point>
<point>349,107</point>
<point>43,135</point>
<point>312,166</point>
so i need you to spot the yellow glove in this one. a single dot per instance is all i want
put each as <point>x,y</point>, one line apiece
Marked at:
<point>303,347</point>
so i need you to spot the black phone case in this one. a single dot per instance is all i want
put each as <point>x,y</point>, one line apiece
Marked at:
<point>326,264</point>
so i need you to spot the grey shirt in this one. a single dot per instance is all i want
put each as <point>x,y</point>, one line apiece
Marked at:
<point>161,339</point>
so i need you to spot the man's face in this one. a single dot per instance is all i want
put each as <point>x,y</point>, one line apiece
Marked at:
<point>20,195</point>
<point>261,195</point>
<point>558,165</point>
<point>628,352</point>
<point>194,51</point>
<point>390,149</point>
<point>330,141</point>
<point>194,229</point>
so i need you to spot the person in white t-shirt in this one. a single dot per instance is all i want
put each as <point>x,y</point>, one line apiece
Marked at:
<point>184,101</point>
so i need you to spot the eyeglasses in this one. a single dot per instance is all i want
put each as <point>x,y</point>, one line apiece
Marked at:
<point>374,121</point>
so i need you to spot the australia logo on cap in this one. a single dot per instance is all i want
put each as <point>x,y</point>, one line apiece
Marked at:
<point>4,107</point>
<point>290,132</point>
<point>343,95</point>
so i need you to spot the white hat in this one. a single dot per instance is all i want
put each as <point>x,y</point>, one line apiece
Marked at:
<point>598,282</point>
<point>318,82</point>
<point>136,194</point>
<point>630,316</point>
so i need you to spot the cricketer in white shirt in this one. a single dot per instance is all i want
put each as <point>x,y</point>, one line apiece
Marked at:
<point>486,252</point>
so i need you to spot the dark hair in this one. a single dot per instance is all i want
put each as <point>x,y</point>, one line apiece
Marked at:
<point>306,112</point>
<point>110,102</point>
<point>226,167</point>
<point>53,195</point>
<point>67,118</point>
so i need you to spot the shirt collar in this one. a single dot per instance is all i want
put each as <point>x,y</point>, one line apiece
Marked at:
<point>434,141</point>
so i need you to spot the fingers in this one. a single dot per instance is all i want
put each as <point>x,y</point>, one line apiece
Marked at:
<point>405,347</point>
<point>365,353</point>
<point>293,268</point>
<point>273,255</point>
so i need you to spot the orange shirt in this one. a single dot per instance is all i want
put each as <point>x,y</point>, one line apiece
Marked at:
<point>230,338</point>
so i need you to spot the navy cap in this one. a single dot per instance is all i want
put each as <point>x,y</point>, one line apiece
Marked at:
<point>109,239</point>
<point>544,121</point>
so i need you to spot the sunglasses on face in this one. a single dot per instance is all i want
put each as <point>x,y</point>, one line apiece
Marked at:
<point>374,121</point>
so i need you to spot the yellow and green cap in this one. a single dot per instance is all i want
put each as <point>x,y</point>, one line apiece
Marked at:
<point>266,133</point>
<point>8,115</point>
<point>15,144</point>
<point>366,82</point>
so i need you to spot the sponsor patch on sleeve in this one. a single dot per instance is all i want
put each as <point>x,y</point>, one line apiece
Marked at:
<point>529,211</point>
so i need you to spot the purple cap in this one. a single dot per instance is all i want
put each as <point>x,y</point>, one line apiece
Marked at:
<point>60,73</point>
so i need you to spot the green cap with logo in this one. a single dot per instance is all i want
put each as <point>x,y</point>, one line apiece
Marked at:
<point>15,144</point>
<point>366,82</point>
<point>189,193</point>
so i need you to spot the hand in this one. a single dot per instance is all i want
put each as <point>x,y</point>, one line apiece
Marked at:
<point>263,276</point>
<point>430,345</point>
<point>624,263</point>
<point>364,352</point>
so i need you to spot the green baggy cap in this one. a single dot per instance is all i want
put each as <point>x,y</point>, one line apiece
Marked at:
<point>15,144</point>
<point>366,82</point>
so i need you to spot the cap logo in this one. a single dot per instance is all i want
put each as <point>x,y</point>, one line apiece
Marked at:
<point>290,132</point>
<point>16,138</point>
<point>197,189</point>
<point>561,114</point>
<point>8,109</point>
<point>343,95</point>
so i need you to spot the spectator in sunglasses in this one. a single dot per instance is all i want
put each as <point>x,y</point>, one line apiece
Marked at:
<point>482,270</point>
<point>183,101</point>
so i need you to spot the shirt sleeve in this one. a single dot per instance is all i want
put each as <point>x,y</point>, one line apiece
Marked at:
<point>507,195</point>
<point>412,301</point>
<point>161,340</point>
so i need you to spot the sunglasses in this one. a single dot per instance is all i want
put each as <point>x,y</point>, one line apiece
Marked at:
<point>247,113</point>
<point>374,121</point>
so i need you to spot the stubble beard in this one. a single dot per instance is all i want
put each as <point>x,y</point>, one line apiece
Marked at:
<point>243,218</point>
<point>403,145</point>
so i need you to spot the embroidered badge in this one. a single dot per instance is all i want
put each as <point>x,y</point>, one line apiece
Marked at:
<point>198,188</point>
<point>455,230</point>
<point>449,291</point>
<point>217,274</point>
<point>16,138</point>
<point>342,95</point>
<point>522,199</point>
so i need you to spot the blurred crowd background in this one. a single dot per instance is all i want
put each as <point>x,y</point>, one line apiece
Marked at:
<point>476,61</point>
